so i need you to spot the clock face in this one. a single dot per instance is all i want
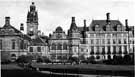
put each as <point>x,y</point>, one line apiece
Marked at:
<point>31,29</point>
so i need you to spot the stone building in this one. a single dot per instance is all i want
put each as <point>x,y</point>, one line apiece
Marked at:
<point>107,38</point>
<point>13,42</point>
<point>102,39</point>
<point>32,21</point>
<point>59,45</point>
<point>39,45</point>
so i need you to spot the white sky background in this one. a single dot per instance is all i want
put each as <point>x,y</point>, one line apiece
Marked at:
<point>53,13</point>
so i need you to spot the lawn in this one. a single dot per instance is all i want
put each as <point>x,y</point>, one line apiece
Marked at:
<point>12,70</point>
<point>93,69</point>
<point>10,67</point>
<point>86,66</point>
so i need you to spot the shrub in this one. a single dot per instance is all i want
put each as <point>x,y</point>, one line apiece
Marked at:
<point>43,59</point>
<point>24,59</point>
<point>73,59</point>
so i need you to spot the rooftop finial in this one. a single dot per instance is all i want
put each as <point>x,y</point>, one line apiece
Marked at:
<point>108,17</point>
<point>33,3</point>
<point>126,24</point>
<point>84,22</point>
<point>73,19</point>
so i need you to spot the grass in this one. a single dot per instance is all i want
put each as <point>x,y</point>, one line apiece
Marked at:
<point>12,70</point>
<point>86,66</point>
<point>93,69</point>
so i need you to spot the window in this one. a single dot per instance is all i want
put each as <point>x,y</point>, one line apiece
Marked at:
<point>114,41</point>
<point>13,44</point>
<point>97,50</point>
<point>103,41</point>
<point>25,46</point>
<point>91,35</point>
<point>109,52</point>
<point>13,55</point>
<point>108,41</point>
<point>53,46</point>
<point>31,49</point>
<point>92,48</point>
<point>108,35</point>
<point>65,46</point>
<point>97,41</point>
<point>39,49</point>
<point>0,44</point>
<point>119,41</point>
<point>103,50</point>
<point>125,41</point>
<point>59,46</point>
<point>125,48</point>
<point>92,41</point>
<point>120,51</point>
<point>21,44</point>
<point>114,49</point>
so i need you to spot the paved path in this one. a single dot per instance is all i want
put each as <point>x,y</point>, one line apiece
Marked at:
<point>10,67</point>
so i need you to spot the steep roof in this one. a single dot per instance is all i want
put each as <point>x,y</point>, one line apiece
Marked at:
<point>82,28</point>
<point>11,27</point>
<point>103,23</point>
<point>5,27</point>
<point>38,41</point>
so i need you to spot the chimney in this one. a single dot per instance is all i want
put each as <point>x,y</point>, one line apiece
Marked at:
<point>84,23</point>
<point>21,27</point>
<point>108,17</point>
<point>73,19</point>
<point>7,20</point>
<point>126,24</point>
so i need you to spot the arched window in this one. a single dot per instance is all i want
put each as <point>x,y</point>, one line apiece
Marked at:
<point>59,46</point>
<point>65,46</point>
<point>13,55</point>
<point>53,46</point>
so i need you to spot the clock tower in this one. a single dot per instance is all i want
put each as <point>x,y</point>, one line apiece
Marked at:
<point>32,21</point>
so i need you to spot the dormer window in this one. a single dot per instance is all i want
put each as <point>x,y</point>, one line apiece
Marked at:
<point>96,27</point>
<point>118,27</point>
<point>107,27</point>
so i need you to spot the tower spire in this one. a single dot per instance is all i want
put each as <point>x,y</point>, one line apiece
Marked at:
<point>73,24</point>
<point>32,20</point>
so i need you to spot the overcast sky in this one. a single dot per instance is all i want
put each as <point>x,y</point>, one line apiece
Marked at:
<point>53,13</point>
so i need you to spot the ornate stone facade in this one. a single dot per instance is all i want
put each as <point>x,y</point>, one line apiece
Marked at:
<point>13,42</point>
